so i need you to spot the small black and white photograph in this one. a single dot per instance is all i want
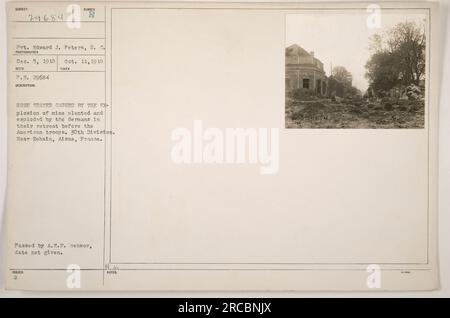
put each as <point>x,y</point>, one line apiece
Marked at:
<point>361,69</point>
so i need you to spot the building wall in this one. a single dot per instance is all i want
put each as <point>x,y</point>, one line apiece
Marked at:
<point>296,74</point>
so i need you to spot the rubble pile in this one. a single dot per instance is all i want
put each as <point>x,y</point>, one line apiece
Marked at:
<point>355,113</point>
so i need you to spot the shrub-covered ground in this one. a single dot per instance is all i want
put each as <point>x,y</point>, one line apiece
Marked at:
<point>347,113</point>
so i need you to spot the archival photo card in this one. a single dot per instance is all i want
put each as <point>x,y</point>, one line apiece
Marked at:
<point>205,146</point>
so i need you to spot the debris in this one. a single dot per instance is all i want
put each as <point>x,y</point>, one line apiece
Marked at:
<point>414,92</point>
<point>325,113</point>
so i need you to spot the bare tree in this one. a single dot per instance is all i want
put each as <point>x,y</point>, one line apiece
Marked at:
<point>342,74</point>
<point>407,41</point>
<point>398,57</point>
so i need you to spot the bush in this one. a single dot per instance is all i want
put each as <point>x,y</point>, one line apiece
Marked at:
<point>378,107</point>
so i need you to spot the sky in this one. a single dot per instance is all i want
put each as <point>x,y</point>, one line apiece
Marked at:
<point>341,38</point>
